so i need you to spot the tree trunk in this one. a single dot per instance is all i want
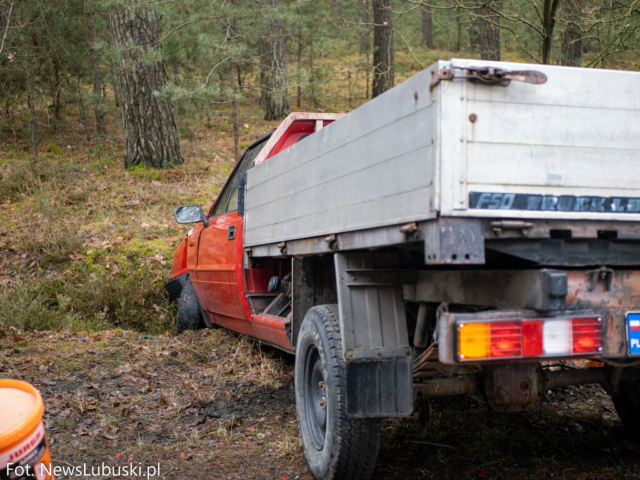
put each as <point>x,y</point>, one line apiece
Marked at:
<point>299,67</point>
<point>427,26</point>
<point>56,97</point>
<point>484,30</point>
<point>101,129</point>
<point>176,73</point>
<point>32,109</point>
<point>79,99</point>
<point>273,69</point>
<point>459,25</point>
<point>548,23</point>
<point>312,80</point>
<point>365,37</point>
<point>234,114</point>
<point>572,45</point>
<point>149,121</point>
<point>383,52</point>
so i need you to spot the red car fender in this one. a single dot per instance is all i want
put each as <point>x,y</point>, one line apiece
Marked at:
<point>180,259</point>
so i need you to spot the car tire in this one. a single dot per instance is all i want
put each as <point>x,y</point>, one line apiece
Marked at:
<point>189,311</point>
<point>336,447</point>
<point>627,403</point>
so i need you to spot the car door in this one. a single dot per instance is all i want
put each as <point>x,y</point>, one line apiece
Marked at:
<point>219,281</point>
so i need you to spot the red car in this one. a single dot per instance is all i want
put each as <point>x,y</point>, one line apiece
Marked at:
<point>209,278</point>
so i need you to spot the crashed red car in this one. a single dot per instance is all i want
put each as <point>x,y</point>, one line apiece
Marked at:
<point>208,276</point>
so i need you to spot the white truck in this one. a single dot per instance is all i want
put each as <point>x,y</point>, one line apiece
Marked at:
<point>449,237</point>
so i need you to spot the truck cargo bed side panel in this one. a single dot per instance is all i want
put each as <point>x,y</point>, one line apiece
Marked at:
<point>374,167</point>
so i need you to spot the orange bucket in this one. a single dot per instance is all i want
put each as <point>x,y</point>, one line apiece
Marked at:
<point>24,453</point>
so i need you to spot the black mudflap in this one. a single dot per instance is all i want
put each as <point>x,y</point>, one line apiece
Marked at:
<point>380,388</point>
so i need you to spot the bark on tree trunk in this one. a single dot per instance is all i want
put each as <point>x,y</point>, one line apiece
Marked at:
<point>149,120</point>
<point>572,45</point>
<point>299,67</point>
<point>548,23</point>
<point>365,37</point>
<point>234,114</point>
<point>312,80</point>
<point>79,99</point>
<point>273,69</point>
<point>56,97</point>
<point>484,30</point>
<point>427,26</point>
<point>32,109</point>
<point>459,25</point>
<point>383,51</point>
<point>101,129</point>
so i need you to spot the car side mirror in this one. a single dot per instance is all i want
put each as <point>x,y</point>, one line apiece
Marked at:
<point>190,214</point>
<point>242,181</point>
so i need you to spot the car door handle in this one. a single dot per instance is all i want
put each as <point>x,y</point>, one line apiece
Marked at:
<point>231,233</point>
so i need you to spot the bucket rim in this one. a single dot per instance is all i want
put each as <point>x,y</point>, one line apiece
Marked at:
<point>31,422</point>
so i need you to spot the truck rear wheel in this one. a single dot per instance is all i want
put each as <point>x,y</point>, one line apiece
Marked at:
<point>336,447</point>
<point>627,404</point>
<point>189,311</point>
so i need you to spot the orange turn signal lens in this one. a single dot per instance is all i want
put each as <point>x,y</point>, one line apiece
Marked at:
<point>474,340</point>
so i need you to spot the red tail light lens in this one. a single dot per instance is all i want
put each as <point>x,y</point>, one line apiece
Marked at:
<point>532,338</point>
<point>506,339</point>
<point>587,335</point>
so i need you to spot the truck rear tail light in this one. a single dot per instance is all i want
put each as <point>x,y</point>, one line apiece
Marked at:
<point>524,338</point>
<point>587,335</point>
<point>556,337</point>
<point>506,339</point>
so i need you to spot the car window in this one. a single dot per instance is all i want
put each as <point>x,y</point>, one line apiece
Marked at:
<point>247,165</point>
<point>226,205</point>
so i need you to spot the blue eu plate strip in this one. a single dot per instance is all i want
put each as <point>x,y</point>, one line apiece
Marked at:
<point>633,332</point>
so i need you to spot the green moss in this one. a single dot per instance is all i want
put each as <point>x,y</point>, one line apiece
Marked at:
<point>142,171</point>
<point>140,247</point>
<point>52,147</point>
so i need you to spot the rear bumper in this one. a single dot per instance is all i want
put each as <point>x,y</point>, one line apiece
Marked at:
<point>174,287</point>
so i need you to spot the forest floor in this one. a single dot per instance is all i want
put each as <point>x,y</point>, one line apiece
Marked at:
<point>85,248</point>
<point>210,405</point>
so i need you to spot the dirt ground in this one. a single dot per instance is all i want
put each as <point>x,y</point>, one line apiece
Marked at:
<point>210,405</point>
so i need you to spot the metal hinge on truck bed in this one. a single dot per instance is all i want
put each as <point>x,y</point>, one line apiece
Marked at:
<point>486,75</point>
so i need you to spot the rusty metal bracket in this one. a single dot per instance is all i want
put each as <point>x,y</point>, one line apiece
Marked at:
<point>331,240</point>
<point>440,74</point>
<point>602,273</point>
<point>409,228</point>
<point>487,76</point>
<point>501,225</point>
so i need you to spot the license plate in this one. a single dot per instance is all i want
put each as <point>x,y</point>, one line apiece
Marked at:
<point>633,332</point>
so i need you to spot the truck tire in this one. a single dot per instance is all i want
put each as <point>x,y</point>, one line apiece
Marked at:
<point>189,311</point>
<point>336,447</point>
<point>627,404</point>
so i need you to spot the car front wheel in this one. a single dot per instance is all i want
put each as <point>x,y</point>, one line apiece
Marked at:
<point>189,311</point>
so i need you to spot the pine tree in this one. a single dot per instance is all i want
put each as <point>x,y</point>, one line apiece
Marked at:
<point>101,129</point>
<point>427,26</point>
<point>383,49</point>
<point>484,30</point>
<point>572,44</point>
<point>149,121</point>
<point>273,66</point>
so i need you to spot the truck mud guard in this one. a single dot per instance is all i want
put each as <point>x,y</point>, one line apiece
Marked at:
<point>374,333</point>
